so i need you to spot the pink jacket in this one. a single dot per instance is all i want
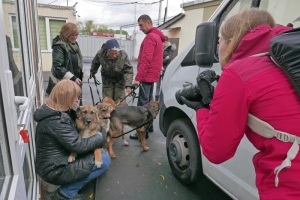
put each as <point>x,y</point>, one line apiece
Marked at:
<point>150,57</point>
<point>254,85</point>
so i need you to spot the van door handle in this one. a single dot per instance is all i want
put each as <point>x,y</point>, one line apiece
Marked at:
<point>22,102</point>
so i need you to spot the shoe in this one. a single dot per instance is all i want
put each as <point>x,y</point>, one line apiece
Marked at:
<point>60,196</point>
<point>49,190</point>
<point>151,128</point>
<point>135,137</point>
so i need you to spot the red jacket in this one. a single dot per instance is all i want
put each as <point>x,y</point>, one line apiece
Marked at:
<point>254,85</point>
<point>150,57</point>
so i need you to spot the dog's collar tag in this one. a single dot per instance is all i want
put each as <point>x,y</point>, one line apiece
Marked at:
<point>24,135</point>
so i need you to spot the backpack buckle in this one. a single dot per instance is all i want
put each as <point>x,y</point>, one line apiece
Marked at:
<point>284,137</point>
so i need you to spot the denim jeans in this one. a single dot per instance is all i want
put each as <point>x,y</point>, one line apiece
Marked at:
<point>145,95</point>
<point>70,190</point>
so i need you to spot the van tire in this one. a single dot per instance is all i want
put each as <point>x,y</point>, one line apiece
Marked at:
<point>182,141</point>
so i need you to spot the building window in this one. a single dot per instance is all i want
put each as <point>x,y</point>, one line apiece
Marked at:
<point>48,29</point>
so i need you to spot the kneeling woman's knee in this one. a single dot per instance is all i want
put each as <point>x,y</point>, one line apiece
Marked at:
<point>106,160</point>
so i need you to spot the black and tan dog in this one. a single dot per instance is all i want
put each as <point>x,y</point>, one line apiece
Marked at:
<point>88,124</point>
<point>132,116</point>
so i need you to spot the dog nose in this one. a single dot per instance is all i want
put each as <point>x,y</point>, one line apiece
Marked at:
<point>88,121</point>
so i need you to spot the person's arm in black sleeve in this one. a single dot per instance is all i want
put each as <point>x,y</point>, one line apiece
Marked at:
<point>167,60</point>
<point>59,64</point>
<point>72,141</point>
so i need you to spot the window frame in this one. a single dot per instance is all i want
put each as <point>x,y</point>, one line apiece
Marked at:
<point>47,19</point>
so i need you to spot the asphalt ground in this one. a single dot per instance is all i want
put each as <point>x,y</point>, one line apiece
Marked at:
<point>138,175</point>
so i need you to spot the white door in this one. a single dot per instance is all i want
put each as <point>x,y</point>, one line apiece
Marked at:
<point>20,96</point>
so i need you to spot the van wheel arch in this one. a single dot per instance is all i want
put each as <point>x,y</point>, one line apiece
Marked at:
<point>183,151</point>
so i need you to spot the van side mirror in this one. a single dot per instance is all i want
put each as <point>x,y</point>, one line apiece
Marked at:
<point>205,44</point>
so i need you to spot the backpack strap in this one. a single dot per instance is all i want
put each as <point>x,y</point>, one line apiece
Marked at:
<point>264,129</point>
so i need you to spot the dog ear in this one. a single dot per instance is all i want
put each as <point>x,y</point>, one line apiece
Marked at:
<point>78,110</point>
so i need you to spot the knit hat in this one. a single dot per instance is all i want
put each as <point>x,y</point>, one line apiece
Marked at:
<point>112,44</point>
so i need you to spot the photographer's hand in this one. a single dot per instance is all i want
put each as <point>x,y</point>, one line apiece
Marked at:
<point>196,105</point>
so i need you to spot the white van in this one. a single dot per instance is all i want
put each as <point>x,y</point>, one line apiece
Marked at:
<point>178,122</point>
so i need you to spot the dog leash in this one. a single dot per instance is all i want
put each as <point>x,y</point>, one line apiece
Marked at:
<point>132,93</point>
<point>96,82</point>
<point>134,129</point>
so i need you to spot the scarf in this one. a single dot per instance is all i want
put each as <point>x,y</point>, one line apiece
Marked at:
<point>75,48</point>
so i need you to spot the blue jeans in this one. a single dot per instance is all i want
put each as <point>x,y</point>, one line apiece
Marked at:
<point>70,190</point>
<point>145,95</point>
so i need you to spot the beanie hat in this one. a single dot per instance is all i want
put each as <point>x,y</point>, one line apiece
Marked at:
<point>112,44</point>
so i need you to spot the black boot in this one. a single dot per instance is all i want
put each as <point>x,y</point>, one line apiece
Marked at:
<point>135,137</point>
<point>151,128</point>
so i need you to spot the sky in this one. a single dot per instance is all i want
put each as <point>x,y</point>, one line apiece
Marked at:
<point>117,13</point>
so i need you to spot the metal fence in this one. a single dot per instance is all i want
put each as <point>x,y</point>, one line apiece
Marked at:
<point>90,45</point>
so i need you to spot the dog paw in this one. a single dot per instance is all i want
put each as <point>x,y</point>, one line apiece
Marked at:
<point>146,148</point>
<point>125,143</point>
<point>98,164</point>
<point>112,155</point>
<point>71,159</point>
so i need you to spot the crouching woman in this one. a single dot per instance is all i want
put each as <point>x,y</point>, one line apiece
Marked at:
<point>57,137</point>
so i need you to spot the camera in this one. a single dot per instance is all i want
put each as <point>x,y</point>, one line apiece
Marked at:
<point>202,91</point>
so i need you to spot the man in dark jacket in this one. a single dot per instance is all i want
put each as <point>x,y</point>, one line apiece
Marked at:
<point>167,57</point>
<point>116,71</point>
<point>149,62</point>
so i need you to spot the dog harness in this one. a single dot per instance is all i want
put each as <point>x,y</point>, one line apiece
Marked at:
<point>264,129</point>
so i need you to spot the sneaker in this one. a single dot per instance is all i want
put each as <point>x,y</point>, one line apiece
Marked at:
<point>60,196</point>
<point>135,137</point>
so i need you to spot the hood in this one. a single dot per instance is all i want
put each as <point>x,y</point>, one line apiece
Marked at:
<point>173,47</point>
<point>44,112</point>
<point>55,40</point>
<point>158,32</point>
<point>256,41</point>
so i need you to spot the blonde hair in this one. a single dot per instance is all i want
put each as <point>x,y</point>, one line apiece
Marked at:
<point>236,27</point>
<point>67,30</point>
<point>63,94</point>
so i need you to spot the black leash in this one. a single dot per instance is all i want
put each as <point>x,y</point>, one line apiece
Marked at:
<point>134,129</point>
<point>132,93</point>
<point>96,82</point>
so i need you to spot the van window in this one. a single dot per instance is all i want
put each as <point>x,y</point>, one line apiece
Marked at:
<point>284,12</point>
<point>189,59</point>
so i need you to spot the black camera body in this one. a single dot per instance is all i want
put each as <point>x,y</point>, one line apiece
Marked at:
<point>198,92</point>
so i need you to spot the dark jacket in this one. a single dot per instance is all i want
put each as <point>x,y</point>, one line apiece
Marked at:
<point>56,137</point>
<point>150,57</point>
<point>117,70</point>
<point>168,51</point>
<point>64,64</point>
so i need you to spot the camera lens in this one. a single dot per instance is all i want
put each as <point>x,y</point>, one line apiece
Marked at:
<point>190,93</point>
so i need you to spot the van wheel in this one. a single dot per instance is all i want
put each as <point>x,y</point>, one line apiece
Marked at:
<point>183,151</point>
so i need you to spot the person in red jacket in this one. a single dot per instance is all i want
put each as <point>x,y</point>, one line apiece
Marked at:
<point>149,62</point>
<point>251,83</point>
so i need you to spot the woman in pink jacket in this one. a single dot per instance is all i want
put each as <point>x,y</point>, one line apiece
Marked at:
<point>252,84</point>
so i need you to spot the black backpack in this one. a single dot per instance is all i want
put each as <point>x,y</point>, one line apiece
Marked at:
<point>285,52</point>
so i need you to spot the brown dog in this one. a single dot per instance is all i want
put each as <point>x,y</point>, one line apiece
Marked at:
<point>110,101</point>
<point>104,110</point>
<point>88,124</point>
<point>132,116</point>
